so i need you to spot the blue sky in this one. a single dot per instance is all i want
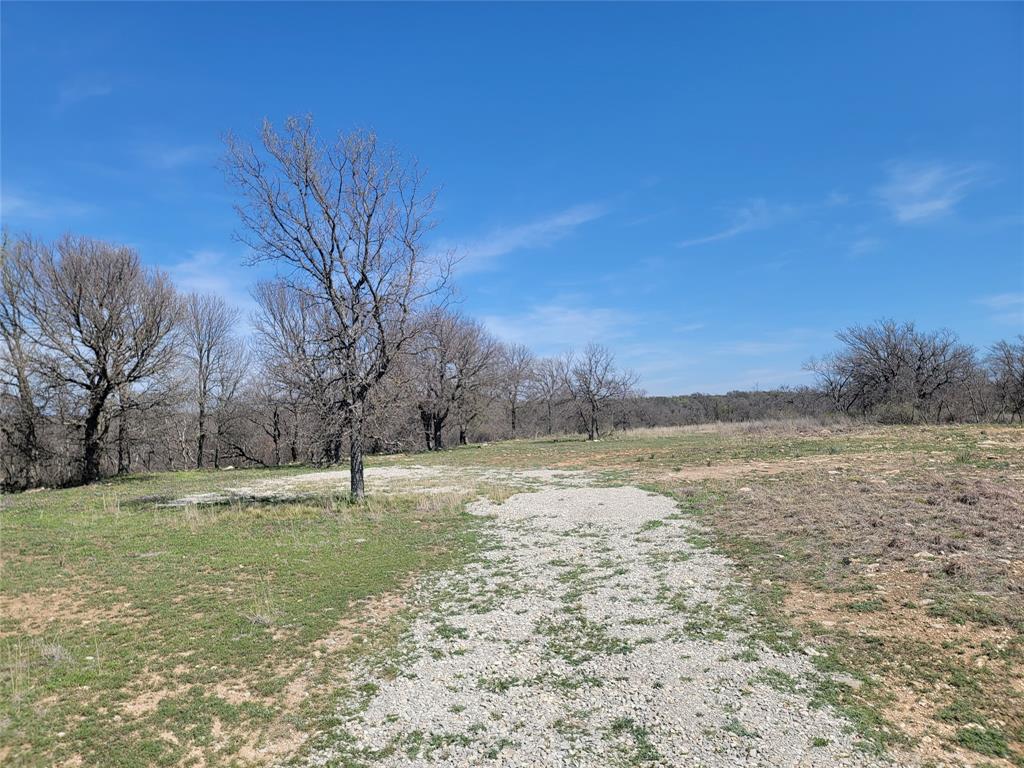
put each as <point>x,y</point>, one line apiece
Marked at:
<point>710,190</point>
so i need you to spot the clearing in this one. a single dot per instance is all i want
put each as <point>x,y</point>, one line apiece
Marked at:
<point>766,594</point>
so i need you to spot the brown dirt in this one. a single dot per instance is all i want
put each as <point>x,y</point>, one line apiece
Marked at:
<point>913,707</point>
<point>281,738</point>
<point>877,550</point>
<point>38,612</point>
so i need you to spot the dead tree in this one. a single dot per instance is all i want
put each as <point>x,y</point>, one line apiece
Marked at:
<point>1006,366</point>
<point>208,327</point>
<point>593,382</point>
<point>547,387</point>
<point>105,325</point>
<point>453,362</point>
<point>19,410</point>
<point>517,363</point>
<point>347,220</point>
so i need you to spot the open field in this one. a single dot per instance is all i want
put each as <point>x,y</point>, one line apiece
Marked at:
<point>790,595</point>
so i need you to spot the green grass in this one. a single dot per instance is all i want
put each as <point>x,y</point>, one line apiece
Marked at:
<point>172,602</point>
<point>198,603</point>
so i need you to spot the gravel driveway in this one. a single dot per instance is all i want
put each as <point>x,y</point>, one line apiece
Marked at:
<point>596,631</point>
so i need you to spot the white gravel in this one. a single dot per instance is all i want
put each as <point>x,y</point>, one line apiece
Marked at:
<point>384,480</point>
<point>595,632</point>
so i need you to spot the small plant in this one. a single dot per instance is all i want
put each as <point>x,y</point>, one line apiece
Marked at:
<point>17,670</point>
<point>965,456</point>
<point>985,741</point>
<point>262,612</point>
<point>54,653</point>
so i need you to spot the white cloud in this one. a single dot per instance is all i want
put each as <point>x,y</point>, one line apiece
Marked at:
<point>756,348</point>
<point>921,191</point>
<point>1003,300</point>
<point>1008,308</point>
<point>865,245</point>
<point>81,89</point>
<point>167,157</point>
<point>754,215</point>
<point>15,206</point>
<point>540,233</point>
<point>208,271</point>
<point>554,327</point>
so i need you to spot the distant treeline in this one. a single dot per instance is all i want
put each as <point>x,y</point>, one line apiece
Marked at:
<point>106,368</point>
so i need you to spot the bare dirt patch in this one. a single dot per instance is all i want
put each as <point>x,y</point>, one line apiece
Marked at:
<point>38,612</point>
<point>905,566</point>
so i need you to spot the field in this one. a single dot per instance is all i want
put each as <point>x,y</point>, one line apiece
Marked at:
<point>247,616</point>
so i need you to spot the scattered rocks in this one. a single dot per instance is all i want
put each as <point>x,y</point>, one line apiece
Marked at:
<point>593,633</point>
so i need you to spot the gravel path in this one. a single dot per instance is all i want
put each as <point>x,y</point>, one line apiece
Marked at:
<point>596,631</point>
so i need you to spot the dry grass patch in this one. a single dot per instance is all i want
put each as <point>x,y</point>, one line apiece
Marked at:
<point>904,569</point>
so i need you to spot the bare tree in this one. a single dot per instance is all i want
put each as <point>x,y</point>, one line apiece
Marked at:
<point>940,365</point>
<point>19,411</point>
<point>347,218</point>
<point>517,363</point>
<point>1006,365</point>
<point>593,382</point>
<point>208,326</point>
<point>547,386</point>
<point>454,361</point>
<point>105,323</point>
<point>894,371</point>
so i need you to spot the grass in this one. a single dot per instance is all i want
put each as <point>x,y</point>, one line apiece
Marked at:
<point>859,540</point>
<point>135,633</point>
<point>138,633</point>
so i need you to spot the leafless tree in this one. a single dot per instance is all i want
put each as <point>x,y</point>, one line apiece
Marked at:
<point>104,323</point>
<point>211,347</point>
<point>454,361</point>
<point>347,220</point>
<point>517,363</point>
<point>548,388</point>
<point>593,382</point>
<point>895,371</point>
<point>1006,364</point>
<point>940,365</point>
<point>19,409</point>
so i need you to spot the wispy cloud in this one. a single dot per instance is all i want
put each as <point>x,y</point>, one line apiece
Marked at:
<point>482,252</point>
<point>916,192</point>
<point>168,157</point>
<point>208,271</point>
<point>81,89</point>
<point>755,214</point>
<point>1003,300</point>
<point>864,245</point>
<point>755,348</point>
<point>1007,308</point>
<point>16,205</point>
<point>556,326</point>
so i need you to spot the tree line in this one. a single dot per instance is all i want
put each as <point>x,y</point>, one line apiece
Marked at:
<point>107,369</point>
<point>355,347</point>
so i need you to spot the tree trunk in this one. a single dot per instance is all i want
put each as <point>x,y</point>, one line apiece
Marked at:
<point>428,430</point>
<point>355,453</point>
<point>124,456</point>
<point>277,437</point>
<point>91,441</point>
<point>201,437</point>
<point>438,429</point>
